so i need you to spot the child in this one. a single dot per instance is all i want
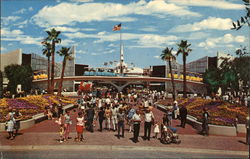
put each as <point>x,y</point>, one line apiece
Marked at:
<point>10,124</point>
<point>61,129</point>
<point>79,126</point>
<point>156,129</point>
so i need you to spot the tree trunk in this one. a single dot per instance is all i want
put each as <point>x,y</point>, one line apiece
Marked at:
<point>53,67</point>
<point>172,80</point>
<point>48,84</point>
<point>184,76</point>
<point>59,93</point>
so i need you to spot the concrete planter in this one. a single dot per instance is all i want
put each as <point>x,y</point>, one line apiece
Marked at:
<point>242,128</point>
<point>222,130</point>
<point>35,119</point>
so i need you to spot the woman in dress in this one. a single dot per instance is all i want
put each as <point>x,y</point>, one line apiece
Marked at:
<point>67,123</point>
<point>79,126</point>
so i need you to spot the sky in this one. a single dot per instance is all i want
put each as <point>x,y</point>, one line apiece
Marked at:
<point>148,27</point>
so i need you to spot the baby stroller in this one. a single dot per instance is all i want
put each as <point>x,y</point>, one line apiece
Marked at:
<point>169,135</point>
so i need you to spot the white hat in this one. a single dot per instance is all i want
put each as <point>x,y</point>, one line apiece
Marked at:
<point>175,102</point>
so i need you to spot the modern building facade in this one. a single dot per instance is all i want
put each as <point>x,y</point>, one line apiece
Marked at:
<point>202,64</point>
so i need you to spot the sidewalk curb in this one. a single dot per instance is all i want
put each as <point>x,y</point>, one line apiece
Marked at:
<point>120,148</point>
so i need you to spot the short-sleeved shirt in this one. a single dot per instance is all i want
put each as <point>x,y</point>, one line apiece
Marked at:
<point>107,113</point>
<point>149,117</point>
<point>80,121</point>
<point>136,117</point>
<point>67,119</point>
<point>121,116</point>
<point>114,111</point>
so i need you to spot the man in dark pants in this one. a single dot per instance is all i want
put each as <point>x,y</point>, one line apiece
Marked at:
<point>205,118</point>
<point>121,119</point>
<point>60,108</point>
<point>149,117</point>
<point>137,120</point>
<point>183,115</point>
<point>101,118</point>
<point>90,117</point>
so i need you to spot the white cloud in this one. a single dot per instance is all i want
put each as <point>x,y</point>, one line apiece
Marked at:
<point>148,29</point>
<point>88,29</point>
<point>240,39</point>
<point>157,57</point>
<point>17,35</point>
<point>197,35</point>
<point>110,51</point>
<point>145,40</point>
<point>81,52</point>
<point>63,29</point>
<point>221,4</point>
<point>69,29</point>
<point>87,12</point>
<point>7,20</point>
<point>25,40</point>
<point>23,10</point>
<point>210,23</point>
<point>3,49</point>
<point>83,1</point>
<point>30,9</point>
<point>67,42</point>
<point>5,32</point>
<point>153,41</point>
<point>21,24</point>
<point>111,45</point>
<point>225,40</point>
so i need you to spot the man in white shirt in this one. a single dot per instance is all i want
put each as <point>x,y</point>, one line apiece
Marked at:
<point>137,120</point>
<point>108,101</point>
<point>149,117</point>
<point>114,111</point>
<point>146,104</point>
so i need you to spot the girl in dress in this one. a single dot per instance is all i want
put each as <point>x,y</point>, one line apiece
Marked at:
<point>10,124</point>
<point>156,129</point>
<point>79,126</point>
<point>67,122</point>
<point>61,129</point>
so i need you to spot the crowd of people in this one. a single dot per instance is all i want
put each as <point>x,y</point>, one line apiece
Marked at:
<point>115,112</point>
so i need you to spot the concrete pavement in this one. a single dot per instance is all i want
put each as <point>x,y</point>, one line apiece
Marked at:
<point>44,136</point>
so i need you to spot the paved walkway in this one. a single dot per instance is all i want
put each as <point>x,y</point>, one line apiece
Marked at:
<point>46,133</point>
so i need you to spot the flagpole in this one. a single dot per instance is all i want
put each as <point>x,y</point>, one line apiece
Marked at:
<point>121,69</point>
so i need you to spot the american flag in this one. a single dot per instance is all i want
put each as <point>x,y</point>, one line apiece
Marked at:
<point>117,27</point>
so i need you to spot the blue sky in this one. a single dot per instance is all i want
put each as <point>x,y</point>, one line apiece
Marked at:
<point>147,27</point>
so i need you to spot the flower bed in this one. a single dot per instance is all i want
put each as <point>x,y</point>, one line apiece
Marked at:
<point>221,112</point>
<point>31,105</point>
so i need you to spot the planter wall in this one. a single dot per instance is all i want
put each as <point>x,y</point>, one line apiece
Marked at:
<point>35,119</point>
<point>242,128</point>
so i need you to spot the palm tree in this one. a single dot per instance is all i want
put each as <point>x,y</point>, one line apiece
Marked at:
<point>184,50</point>
<point>47,53</point>
<point>66,56</point>
<point>168,56</point>
<point>53,38</point>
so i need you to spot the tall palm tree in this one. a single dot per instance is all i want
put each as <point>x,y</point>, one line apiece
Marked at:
<point>47,53</point>
<point>184,50</point>
<point>168,56</point>
<point>53,38</point>
<point>67,55</point>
